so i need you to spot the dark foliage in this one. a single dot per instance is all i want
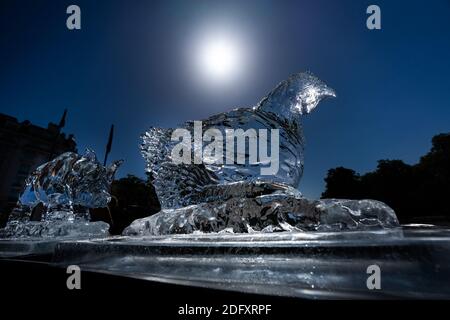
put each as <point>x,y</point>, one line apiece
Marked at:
<point>132,198</point>
<point>3,219</point>
<point>418,193</point>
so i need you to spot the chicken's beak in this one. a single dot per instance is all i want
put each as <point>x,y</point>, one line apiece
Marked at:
<point>329,93</point>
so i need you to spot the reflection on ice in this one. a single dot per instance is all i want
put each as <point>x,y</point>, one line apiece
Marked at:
<point>414,261</point>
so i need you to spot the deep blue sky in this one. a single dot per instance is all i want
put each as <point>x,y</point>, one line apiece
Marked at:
<point>128,65</point>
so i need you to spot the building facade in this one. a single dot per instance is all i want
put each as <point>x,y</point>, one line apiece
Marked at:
<point>23,147</point>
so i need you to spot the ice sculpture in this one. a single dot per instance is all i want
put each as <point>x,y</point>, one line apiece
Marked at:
<point>221,197</point>
<point>282,109</point>
<point>242,207</point>
<point>57,198</point>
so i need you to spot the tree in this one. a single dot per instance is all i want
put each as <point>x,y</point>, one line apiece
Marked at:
<point>132,198</point>
<point>342,183</point>
<point>392,183</point>
<point>433,177</point>
<point>413,191</point>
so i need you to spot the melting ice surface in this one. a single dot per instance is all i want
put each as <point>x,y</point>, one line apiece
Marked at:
<point>414,261</point>
<point>236,198</point>
<point>57,198</point>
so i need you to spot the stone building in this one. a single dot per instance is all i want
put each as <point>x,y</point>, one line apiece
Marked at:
<point>23,147</point>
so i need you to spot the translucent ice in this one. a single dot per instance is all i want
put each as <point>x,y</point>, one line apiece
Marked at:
<point>282,109</point>
<point>224,197</point>
<point>58,195</point>
<point>243,207</point>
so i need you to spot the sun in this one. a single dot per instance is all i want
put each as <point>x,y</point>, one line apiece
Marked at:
<point>219,58</point>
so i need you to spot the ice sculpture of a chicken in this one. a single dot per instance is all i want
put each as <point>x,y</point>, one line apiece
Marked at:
<point>176,184</point>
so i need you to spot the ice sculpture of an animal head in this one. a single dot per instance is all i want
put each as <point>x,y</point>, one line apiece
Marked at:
<point>70,180</point>
<point>298,95</point>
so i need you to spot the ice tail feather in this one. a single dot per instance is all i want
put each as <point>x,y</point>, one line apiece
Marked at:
<point>175,184</point>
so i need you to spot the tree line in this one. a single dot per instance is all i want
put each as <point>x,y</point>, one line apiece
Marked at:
<point>417,193</point>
